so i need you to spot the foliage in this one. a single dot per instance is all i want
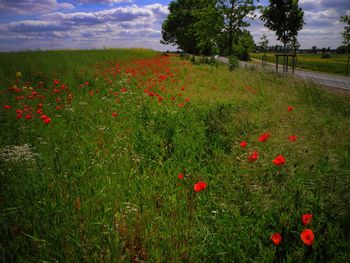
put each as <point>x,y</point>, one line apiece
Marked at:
<point>325,55</point>
<point>233,62</point>
<point>234,14</point>
<point>178,29</point>
<point>346,33</point>
<point>264,43</point>
<point>284,17</point>
<point>244,46</point>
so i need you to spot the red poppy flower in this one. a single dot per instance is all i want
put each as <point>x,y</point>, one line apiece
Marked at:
<point>28,116</point>
<point>91,92</point>
<point>18,116</point>
<point>276,239</point>
<point>47,120</point>
<point>56,81</point>
<point>58,107</point>
<point>200,186</point>
<point>253,157</point>
<point>18,111</point>
<point>7,107</point>
<point>43,117</point>
<point>123,90</point>
<point>39,111</point>
<point>307,236</point>
<point>306,219</point>
<point>40,105</point>
<point>263,137</point>
<point>290,108</point>
<point>279,160</point>
<point>180,176</point>
<point>180,105</point>
<point>292,138</point>
<point>243,144</point>
<point>114,114</point>
<point>187,100</point>
<point>86,83</point>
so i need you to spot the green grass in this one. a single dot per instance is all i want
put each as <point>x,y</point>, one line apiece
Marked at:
<point>99,188</point>
<point>336,64</point>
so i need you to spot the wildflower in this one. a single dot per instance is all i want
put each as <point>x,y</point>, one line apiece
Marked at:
<point>58,107</point>
<point>86,83</point>
<point>39,111</point>
<point>7,107</point>
<point>91,92</point>
<point>18,75</point>
<point>56,82</point>
<point>43,117</point>
<point>187,100</point>
<point>306,219</point>
<point>276,239</point>
<point>263,137</point>
<point>243,144</point>
<point>28,116</point>
<point>40,105</point>
<point>200,186</point>
<point>253,157</point>
<point>180,105</point>
<point>114,114</point>
<point>290,108</point>
<point>18,111</point>
<point>307,236</point>
<point>47,120</point>
<point>292,138</point>
<point>279,160</point>
<point>180,176</point>
<point>123,90</point>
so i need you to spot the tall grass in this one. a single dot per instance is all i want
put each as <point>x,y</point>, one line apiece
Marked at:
<point>104,188</point>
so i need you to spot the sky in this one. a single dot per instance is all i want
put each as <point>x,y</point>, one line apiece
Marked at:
<point>91,24</point>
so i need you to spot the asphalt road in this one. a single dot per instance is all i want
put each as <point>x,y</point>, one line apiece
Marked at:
<point>324,79</point>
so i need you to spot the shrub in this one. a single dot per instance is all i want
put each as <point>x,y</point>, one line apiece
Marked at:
<point>325,55</point>
<point>233,62</point>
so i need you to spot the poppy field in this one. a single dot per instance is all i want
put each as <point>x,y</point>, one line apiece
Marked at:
<point>131,155</point>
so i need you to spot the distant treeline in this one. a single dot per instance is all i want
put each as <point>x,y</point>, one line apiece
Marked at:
<point>314,50</point>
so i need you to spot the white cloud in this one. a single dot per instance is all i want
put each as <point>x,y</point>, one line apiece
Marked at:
<point>29,6</point>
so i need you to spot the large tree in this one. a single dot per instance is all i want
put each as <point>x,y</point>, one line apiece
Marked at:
<point>234,14</point>
<point>285,17</point>
<point>178,29</point>
<point>346,33</point>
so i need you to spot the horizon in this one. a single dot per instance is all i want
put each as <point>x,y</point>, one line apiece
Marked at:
<point>90,24</point>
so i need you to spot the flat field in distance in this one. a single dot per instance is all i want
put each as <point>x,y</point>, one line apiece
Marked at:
<point>132,155</point>
<point>336,64</point>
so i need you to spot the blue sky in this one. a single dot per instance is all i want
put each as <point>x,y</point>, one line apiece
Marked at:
<point>86,24</point>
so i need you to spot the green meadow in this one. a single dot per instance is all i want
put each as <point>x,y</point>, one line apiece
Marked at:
<point>102,151</point>
<point>336,64</point>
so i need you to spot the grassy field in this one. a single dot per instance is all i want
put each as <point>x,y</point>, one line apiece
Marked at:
<point>336,64</point>
<point>130,155</point>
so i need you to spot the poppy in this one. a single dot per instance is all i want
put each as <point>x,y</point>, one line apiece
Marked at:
<point>200,186</point>
<point>114,114</point>
<point>56,81</point>
<point>292,138</point>
<point>7,107</point>
<point>253,157</point>
<point>307,236</point>
<point>290,108</point>
<point>279,160</point>
<point>276,239</point>
<point>243,144</point>
<point>180,176</point>
<point>306,219</point>
<point>263,137</point>
<point>47,120</point>
<point>28,116</point>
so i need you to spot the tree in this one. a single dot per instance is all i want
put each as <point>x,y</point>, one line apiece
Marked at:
<point>207,26</point>
<point>244,45</point>
<point>178,29</point>
<point>294,44</point>
<point>264,43</point>
<point>346,33</point>
<point>233,13</point>
<point>284,17</point>
<point>314,49</point>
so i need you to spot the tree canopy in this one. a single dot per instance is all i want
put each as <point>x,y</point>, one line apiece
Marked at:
<point>285,17</point>
<point>209,26</point>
